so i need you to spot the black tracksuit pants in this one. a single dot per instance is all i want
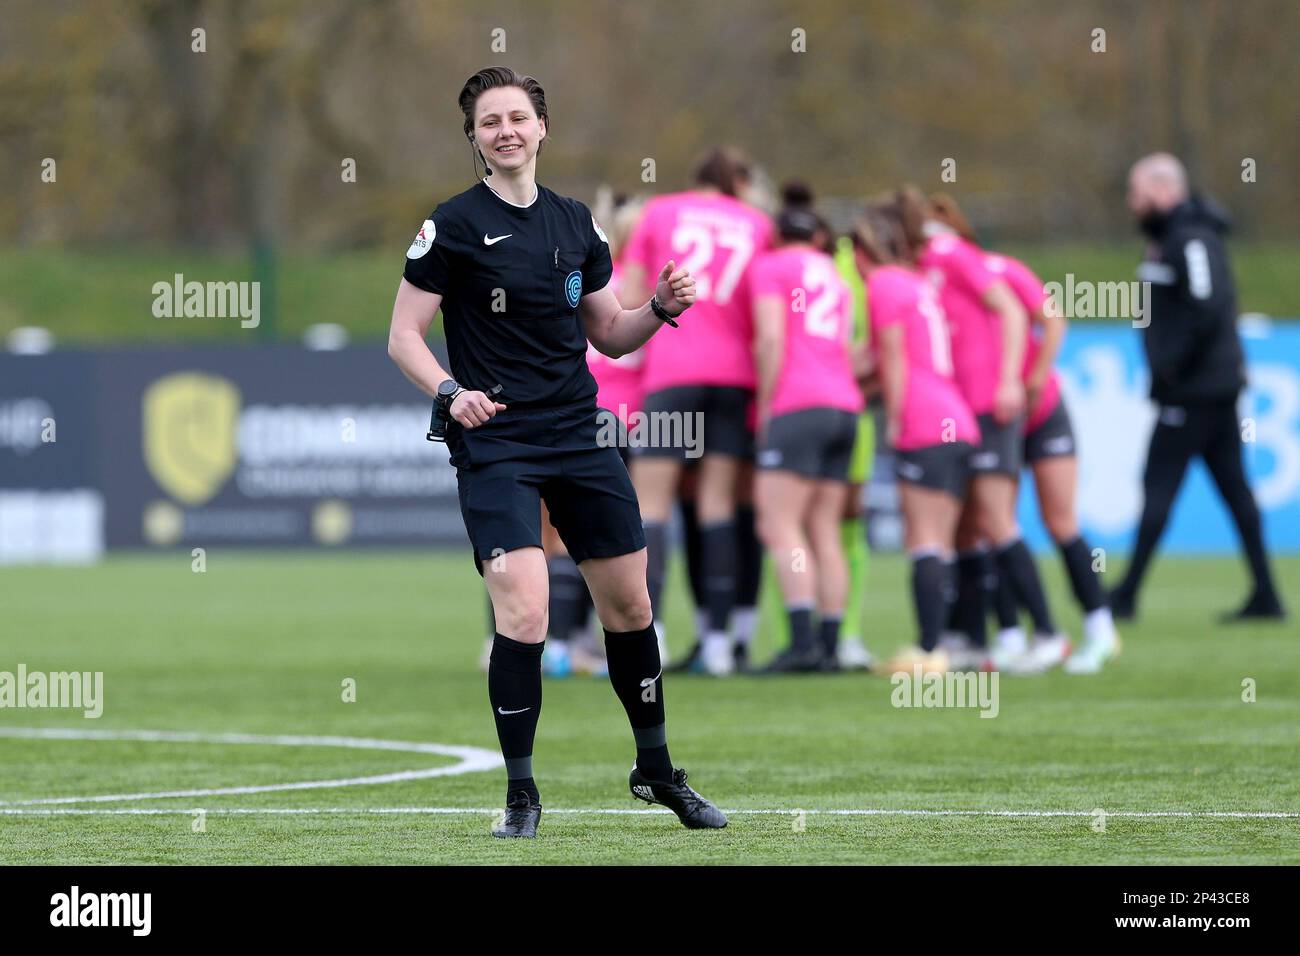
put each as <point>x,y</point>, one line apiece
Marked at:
<point>1211,430</point>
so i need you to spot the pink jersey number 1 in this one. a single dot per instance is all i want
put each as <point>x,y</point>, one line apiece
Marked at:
<point>937,324</point>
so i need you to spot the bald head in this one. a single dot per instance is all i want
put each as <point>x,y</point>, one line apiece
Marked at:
<point>1156,183</point>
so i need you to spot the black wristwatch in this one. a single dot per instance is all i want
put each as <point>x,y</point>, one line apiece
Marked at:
<point>447,393</point>
<point>660,311</point>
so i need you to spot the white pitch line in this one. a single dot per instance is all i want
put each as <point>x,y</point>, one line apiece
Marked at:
<point>606,811</point>
<point>471,760</point>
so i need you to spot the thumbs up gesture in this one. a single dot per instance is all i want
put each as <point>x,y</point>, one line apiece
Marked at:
<point>675,290</point>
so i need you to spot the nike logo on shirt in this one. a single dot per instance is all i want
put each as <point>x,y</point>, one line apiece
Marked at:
<point>495,239</point>
<point>507,713</point>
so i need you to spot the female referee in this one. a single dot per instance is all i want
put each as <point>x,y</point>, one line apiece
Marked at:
<point>520,274</point>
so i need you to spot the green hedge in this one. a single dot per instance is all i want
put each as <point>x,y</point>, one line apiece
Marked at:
<point>98,297</point>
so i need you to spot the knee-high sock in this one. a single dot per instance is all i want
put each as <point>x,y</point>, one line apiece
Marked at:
<point>656,553</point>
<point>1002,594</point>
<point>930,584</point>
<point>1016,564</point>
<point>693,546</point>
<point>799,617</point>
<point>568,597</point>
<point>853,535</point>
<point>1083,579</point>
<point>969,609</point>
<point>719,548</point>
<point>828,634</point>
<point>749,575</point>
<point>637,675</point>
<point>515,693</point>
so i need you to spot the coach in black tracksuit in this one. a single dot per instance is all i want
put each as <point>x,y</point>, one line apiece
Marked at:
<point>1197,372</point>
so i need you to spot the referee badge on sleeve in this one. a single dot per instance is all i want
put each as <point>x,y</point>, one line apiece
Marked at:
<point>422,241</point>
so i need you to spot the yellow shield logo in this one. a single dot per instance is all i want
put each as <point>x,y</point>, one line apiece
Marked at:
<point>189,434</point>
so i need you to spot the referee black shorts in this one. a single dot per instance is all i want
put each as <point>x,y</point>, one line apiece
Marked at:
<point>507,466</point>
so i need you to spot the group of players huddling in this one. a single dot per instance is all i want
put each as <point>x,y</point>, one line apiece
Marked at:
<point>793,333</point>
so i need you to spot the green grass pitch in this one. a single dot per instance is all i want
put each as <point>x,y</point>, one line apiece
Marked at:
<point>260,644</point>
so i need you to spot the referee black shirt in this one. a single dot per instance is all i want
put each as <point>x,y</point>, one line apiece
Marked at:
<point>1191,337</point>
<point>511,278</point>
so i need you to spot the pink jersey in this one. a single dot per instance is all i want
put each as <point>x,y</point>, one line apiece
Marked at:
<point>816,369</point>
<point>934,410</point>
<point>618,380</point>
<point>958,270</point>
<point>1029,290</point>
<point>716,238</point>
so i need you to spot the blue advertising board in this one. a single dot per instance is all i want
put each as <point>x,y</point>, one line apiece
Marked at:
<point>1104,381</point>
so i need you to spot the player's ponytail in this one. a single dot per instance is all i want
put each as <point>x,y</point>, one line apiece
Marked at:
<point>725,168</point>
<point>947,211</point>
<point>912,211</point>
<point>797,222</point>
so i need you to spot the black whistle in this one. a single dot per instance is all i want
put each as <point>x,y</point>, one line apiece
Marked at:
<point>441,414</point>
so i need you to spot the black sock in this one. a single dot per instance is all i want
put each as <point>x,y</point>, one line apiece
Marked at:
<point>719,548</point>
<point>749,558</point>
<point>568,597</point>
<point>515,693</point>
<point>637,675</point>
<point>1017,565</point>
<point>656,554</point>
<point>693,546</point>
<point>1002,595</point>
<point>929,585</point>
<point>801,632</point>
<point>1083,579</point>
<point>829,634</point>
<point>968,608</point>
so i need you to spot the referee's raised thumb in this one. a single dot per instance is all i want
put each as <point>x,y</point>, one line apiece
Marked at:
<point>667,270</point>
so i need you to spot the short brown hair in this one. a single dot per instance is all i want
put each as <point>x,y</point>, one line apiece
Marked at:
<point>497,76</point>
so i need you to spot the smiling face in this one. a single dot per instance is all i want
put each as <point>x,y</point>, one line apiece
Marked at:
<point>507,130</point>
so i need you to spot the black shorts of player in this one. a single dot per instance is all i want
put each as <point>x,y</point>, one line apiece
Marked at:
<point>813,442</point>
<point>1001,447</point>
<point>1054,438</point>
<point>942,467</point>
<point>505,467</point>
<point>686,421</point>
